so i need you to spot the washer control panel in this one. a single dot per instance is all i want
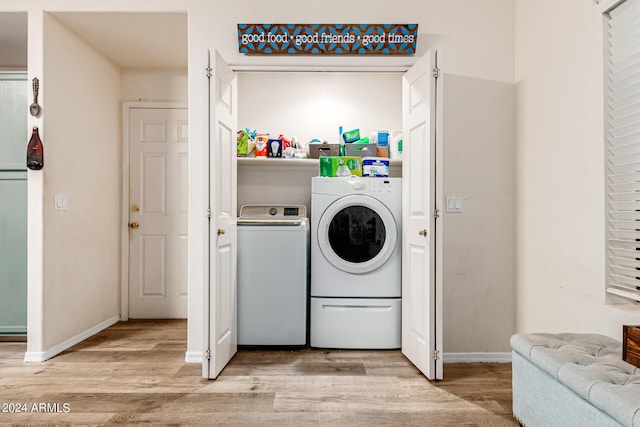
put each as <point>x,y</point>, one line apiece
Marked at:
<point>267,211</point>
<point>376,186</point>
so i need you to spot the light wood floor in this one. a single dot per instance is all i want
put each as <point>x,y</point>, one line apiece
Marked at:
<point>134,372</point>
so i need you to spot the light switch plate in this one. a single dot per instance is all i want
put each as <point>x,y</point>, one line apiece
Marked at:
<point>60,202</point>
<point>453,204</point>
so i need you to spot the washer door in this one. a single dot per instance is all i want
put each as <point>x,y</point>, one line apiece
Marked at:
<point>357,234</point>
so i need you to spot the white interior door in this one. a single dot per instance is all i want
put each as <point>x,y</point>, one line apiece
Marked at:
<point>421,303</point>
<point>221,294</point>
<point>158,206</point>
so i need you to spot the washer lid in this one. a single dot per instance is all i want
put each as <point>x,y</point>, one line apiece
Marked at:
<point>357,234</point>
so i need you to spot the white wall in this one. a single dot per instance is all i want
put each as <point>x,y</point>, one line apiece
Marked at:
<point>560,171</point>
<point>154,85</point>
<point>314,105</point>
<point>479,242</point>
<point>82,162</point>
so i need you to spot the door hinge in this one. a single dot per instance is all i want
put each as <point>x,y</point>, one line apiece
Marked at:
<point>208,213</point>
<point>436,213</point>
<point>209,70</point>
<point>436,72</point>
<point>436,354</point>
<point>207,354</point>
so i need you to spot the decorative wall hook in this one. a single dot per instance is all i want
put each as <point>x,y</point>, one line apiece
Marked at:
<point>34,108</point>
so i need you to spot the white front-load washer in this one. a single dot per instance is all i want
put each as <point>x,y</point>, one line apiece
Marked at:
<point>356,262</point>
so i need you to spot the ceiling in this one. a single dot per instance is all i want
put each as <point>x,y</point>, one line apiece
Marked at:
<point>131,40</point>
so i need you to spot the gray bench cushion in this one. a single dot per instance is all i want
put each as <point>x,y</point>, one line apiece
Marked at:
<point>590,365</point>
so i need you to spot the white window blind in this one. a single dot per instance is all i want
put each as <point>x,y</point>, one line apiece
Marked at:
<point>623,151</point>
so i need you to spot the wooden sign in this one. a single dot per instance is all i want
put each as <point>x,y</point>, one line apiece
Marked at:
<point>328,39</point>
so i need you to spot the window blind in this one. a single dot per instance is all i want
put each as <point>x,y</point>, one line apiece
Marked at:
<point>623,151</point>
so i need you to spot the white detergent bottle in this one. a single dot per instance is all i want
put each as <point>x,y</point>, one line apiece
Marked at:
<point>395,144</point>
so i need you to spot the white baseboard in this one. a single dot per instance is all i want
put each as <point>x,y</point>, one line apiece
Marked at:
<point>41,356</point>
<point>193,357</point>
<point>477,357</point>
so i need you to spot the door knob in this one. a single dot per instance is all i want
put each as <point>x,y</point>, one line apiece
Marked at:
<point>422,233</point>
<point>135,208</point>
<point>220,231</point>
<point>134,224</point>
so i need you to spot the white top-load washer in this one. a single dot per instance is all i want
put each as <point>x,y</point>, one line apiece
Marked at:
<point>273,275</point>
<point>356,262</point>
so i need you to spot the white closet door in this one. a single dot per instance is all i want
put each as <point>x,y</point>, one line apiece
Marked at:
<point>421,330</point>
<point>221,294</point>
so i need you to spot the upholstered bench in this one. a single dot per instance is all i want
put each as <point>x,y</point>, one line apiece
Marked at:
<point>573,380</point>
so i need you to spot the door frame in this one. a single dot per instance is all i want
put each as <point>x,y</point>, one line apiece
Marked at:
<point>437,174</point>
<point>438,250</point>
<point>127,106</point>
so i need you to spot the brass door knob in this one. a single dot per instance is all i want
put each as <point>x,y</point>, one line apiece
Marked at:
<point>220,231</point>
<point>422,232</point>
<point>134,224</point>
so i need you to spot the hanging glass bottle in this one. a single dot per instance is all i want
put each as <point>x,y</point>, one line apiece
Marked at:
<point>35,151</point>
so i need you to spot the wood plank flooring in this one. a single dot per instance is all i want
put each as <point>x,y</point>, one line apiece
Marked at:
<point>134,373</point>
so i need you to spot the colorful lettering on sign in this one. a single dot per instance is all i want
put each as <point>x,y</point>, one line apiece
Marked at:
<point>331,39</point>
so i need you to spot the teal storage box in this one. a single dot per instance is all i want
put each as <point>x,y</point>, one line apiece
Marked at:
<point>375,166</point>
<point>340,166</point>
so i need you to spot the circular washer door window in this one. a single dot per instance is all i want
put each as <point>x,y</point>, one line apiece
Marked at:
<point>357,234</point>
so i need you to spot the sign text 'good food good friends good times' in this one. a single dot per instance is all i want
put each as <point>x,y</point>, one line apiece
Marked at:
<point>331,39</point>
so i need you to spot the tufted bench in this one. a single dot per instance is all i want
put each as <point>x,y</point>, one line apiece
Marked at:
<point>573,380</point>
